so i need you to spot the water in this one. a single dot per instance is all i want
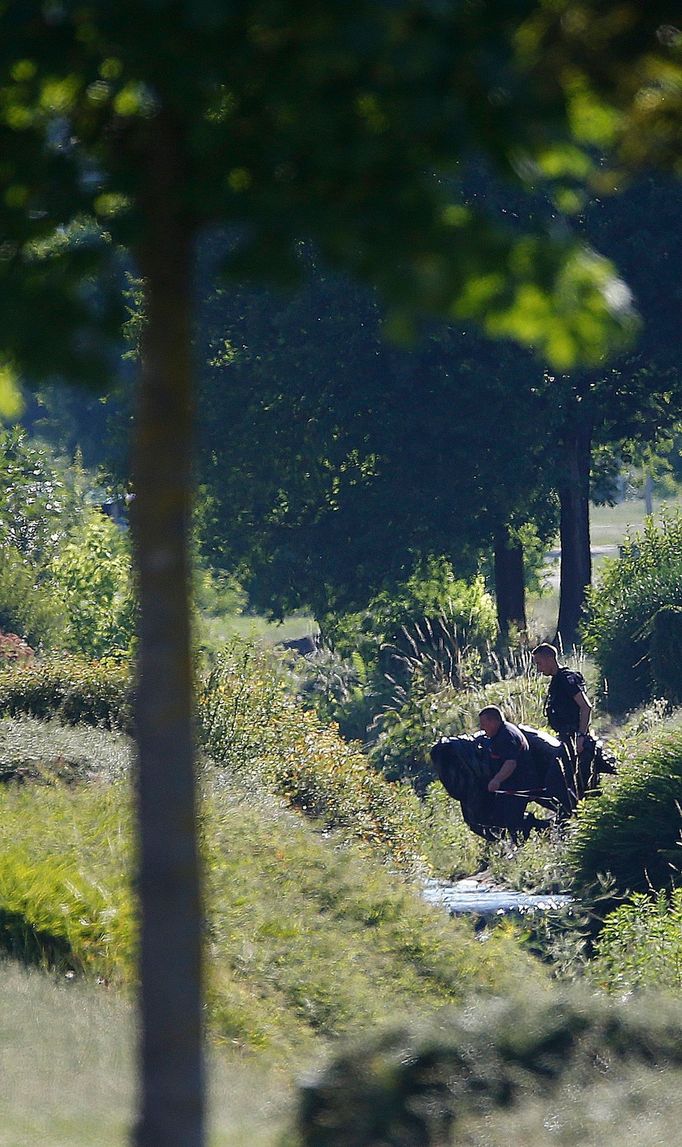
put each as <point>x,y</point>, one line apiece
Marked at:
<point>473,897</point>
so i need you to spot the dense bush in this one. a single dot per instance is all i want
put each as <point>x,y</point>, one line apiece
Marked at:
<point>640,945</point>
<point>91,574</point>
<point>251,723</point>
<point>14,648</point>
<point>666,663</point>
<point>436,626</point>
<point>622,605</point>
<point>432,592</point>
<point>508,1073</point>
<point>70,688</point>
<point>633,829</point>
<point>28,606</point>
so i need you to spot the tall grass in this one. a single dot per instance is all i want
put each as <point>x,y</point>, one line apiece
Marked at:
<point>67,1072</point>
<point>308,937</point>
<point>251,725</point>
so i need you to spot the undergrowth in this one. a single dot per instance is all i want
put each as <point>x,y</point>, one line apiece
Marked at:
<point>251,725</point>
<point>308,936</point>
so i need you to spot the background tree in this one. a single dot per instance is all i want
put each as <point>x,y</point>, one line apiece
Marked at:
<point>283,120</point>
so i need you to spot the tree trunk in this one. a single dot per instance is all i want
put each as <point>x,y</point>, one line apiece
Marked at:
<point>171,1051</point>
<point>576,557</point>
<point>510,590</point>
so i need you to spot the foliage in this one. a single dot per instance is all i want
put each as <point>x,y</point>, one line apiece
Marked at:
<point>396,623</point>
<point>251,725</point>
<point>14,648</point>
<point>64,893</point>
<point>306,938</point>
<point>633,829</point>
<point>471,1076</point>
<point>40,497</point>
<point>640,944</point>
<point>430,634</point>
<point>64,575</point>
<point>666,642</point>
<point>69,688</point>
<point>623,602</point>
<point>28,607</point>
<point>92,576</point>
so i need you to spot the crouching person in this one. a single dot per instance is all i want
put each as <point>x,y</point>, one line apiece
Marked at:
<point>516,772</point>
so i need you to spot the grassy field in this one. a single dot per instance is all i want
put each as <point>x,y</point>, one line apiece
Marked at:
<point>215,630</point>
<point>311,939</point>
<point>67,1071</point>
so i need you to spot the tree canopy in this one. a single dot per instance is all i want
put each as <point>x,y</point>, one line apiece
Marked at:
<point>140,124</point>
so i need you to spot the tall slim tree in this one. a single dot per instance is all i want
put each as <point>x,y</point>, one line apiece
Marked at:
<point>332,121</point>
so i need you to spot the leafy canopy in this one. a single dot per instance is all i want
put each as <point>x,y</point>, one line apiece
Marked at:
<point>342,122</point>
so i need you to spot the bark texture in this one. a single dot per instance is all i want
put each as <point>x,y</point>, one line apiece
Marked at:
<point>171,1053</point>
<point>576,557</point>
<point>510,589</point>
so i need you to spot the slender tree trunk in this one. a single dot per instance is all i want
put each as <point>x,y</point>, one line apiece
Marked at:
<point>171,1053</point>
<point>648,494</point>
<point>510,589</point>
<point>576,557</point>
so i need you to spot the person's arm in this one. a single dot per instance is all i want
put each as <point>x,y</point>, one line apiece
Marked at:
<point>505,770</point>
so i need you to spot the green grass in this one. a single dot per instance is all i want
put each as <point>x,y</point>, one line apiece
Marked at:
<point>67,1051</point>
<point>310,936</point>
<point>216,630</point>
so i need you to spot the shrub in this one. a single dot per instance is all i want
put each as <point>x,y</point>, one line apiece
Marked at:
<point>666,664</point>
<point>640,945</point>
<point>91,574</point>
<point>28,607</point>
<point>250,723</point>
<point>622,604</point>
<point>70,688</point>
<point>435,626</point>
<point>14,648</point>
<point>632,830</point>
<point>471,1076</point>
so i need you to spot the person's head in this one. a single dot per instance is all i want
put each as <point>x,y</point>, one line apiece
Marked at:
<point>490,719</point>
<point>546,658</point>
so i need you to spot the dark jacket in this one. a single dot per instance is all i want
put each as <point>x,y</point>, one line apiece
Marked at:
<point>563,714</point>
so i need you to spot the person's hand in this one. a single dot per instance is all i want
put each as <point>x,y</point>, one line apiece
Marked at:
<point>493,785</point>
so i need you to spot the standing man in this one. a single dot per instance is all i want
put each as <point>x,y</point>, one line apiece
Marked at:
<point>567,707</point>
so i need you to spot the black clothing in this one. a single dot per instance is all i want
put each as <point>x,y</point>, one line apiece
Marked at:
<point>508,744</point>
<point>511,744</point>
<point>563,713</point>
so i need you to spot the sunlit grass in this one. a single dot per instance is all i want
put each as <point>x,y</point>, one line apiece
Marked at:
<point>67,1051</point>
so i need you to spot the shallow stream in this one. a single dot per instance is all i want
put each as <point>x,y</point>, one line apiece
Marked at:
<point>478,898</point>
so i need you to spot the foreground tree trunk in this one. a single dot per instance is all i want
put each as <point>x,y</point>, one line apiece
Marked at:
<point>510,589</point>
<point>171,1064</point>
<point>576,557</point>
